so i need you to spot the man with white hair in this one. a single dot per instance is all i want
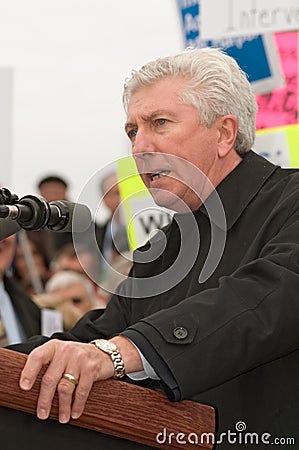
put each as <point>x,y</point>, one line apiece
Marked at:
<point>210,310</point>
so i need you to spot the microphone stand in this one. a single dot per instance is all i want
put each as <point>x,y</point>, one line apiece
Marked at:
<point>31,266</point>
<point>7,198</point>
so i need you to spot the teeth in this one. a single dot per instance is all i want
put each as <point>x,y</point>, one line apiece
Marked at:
<point>156,175</point>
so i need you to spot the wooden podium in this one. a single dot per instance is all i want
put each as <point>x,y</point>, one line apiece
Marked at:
<point>134,417</point>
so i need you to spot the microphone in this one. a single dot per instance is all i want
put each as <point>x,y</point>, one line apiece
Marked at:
<point>8,227</point>
<point>34,213</point>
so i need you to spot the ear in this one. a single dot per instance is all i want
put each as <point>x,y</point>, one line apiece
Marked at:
<point>228,129</point>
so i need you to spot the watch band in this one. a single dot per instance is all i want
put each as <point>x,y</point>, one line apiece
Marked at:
<point>111,349</point>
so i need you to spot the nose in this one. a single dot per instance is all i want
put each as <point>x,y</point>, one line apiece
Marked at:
<point>143,144</point>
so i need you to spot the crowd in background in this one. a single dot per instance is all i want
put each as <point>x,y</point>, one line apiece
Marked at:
<point>52,271</point>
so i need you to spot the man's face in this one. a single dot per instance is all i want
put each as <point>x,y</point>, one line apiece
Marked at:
<point>52,191</point>
<point>174,153</point>
<point>76,296</point>
<point>111,195</point>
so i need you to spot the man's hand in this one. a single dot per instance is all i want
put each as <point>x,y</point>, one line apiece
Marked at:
<point>84,362</point>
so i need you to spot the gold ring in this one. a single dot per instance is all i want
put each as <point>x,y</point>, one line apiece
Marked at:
<point>71,378</point>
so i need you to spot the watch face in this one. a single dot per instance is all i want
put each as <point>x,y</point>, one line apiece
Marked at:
<point>106,346</point>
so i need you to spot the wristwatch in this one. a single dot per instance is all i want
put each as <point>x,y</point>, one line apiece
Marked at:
<point>111,349</point>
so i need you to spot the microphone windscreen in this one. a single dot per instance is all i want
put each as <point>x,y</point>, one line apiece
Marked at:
<point>8,227</point>
<point>79,216</point>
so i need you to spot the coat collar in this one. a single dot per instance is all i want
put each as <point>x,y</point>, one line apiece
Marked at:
<point>240,186</point>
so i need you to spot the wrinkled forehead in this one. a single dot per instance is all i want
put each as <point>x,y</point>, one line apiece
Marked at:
<point>163,94</point>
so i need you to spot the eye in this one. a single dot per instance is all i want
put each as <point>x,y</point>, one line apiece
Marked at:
<point>161,121</point>
<point>76,300</point>
<point>132,133</point>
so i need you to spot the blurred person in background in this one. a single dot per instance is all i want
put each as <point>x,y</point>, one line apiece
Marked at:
<point>71,293</point>
<point>19,316</point>
<point>51,187</point>
<point>30,265</point>
<point>112,240</point>
<point>81,258</point>
<point>111,235</point>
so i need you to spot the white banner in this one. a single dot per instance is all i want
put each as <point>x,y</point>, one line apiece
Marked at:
<point>243,17</point>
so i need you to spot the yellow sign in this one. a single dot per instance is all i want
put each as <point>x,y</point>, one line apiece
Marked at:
<point>142,215</point>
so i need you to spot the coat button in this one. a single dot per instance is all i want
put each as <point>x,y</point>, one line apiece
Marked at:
<point>180,332</point>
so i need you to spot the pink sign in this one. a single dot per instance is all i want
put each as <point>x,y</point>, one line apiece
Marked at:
<point>280,107</point>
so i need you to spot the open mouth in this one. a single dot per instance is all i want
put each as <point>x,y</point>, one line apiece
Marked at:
<point>158,174</point>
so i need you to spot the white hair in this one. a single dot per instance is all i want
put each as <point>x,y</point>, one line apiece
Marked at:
<point>215,85</point>
<point>65,278</point>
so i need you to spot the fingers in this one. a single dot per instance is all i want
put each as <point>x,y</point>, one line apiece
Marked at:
<point>77,361</point>
<point>72,399</point>
<point>37,358</point>
<point>50,382</point>
<point>66,389</point>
